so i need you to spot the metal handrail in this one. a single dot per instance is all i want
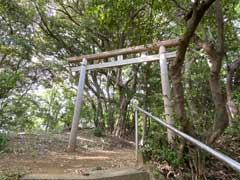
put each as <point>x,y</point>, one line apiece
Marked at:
<point>222,157</point>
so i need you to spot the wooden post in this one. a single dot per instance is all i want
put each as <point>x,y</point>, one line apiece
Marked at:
<point>77,108</point>
<point>166,92</point>
<point>144,132</point>
<point>136,133</point>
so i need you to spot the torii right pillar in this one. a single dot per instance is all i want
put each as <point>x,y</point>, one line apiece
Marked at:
<point>166,92</point>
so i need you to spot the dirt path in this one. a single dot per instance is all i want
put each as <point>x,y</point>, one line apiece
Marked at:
<point>48,154</point>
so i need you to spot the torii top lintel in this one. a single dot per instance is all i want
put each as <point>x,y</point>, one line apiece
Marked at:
<point>124,51</point>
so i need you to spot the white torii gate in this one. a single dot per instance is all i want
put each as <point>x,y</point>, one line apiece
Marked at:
<point>162,57</point>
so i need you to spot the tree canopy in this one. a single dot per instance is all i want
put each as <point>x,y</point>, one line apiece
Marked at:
<point>37,87</point>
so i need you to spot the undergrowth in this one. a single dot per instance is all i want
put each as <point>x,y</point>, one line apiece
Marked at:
<point>98,132</point>
<point>12,174</point>
<point>157,149</point>
<point>3,142</point>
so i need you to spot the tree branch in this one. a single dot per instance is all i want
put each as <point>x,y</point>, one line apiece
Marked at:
<point>220,27</point>
<point>198,11</point>
<point>179,6</point>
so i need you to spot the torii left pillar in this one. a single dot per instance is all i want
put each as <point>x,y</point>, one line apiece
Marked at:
<point>77,108</point>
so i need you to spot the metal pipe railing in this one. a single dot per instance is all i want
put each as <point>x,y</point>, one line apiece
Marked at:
<point>229,161</point>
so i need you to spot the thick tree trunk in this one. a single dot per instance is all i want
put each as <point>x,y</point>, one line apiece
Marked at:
<point>119,129</point>
<point>197,12</point>
<point>126,94</point>
<point>100,118</point>
<point>110,121</point>
<point>215,55</point>
<point>110,106</point>
<point>221,116</point>
<point>95,87</point>
<point>231,106</point>
<point>121,122</point>
<point>194,17</point>
<point>94,108</point>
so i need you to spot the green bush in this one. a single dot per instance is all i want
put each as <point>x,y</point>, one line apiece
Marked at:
<point>234,130</point>
<point>3,141</point>
<point>98,132</point>
<point>158,149</point>
<point>12,174</point>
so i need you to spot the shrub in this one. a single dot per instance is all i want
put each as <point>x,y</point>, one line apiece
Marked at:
<point>98,132</point>
<point>157,149</point>
<point>12,174</point>
<point>3,141</point>
<point>234,130</point>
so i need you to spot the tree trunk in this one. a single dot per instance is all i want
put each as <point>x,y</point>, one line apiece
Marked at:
<point>194,17</point>
<point>215,55</point>
<point>121,124</point>
<point>94,108</point>
<point>196,13</point>
<point>231,106</point>
<point>221,116</point>
<point>110,121</point>
<point>191,104</point>
<point>125,94</point>
<point>100,118</point>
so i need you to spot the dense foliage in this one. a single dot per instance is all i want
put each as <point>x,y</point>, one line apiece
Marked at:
<point>37,88</point>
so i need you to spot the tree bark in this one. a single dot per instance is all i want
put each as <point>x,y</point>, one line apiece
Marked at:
<point>221,116</point>
<point>99,118</point>
<point>231,106</point>
<point>215,55</point>
<point>125,93</point>
<point>197,12</point>
<point>121,123</point>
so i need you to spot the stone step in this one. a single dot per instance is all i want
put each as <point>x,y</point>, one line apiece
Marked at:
<point>111,174</point>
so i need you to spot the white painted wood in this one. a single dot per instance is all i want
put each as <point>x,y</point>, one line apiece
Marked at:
<point>136,134</point>
<point>126,62</point>
<point>77,108</point>
<point>119,58</point>
<point>166,91</point>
